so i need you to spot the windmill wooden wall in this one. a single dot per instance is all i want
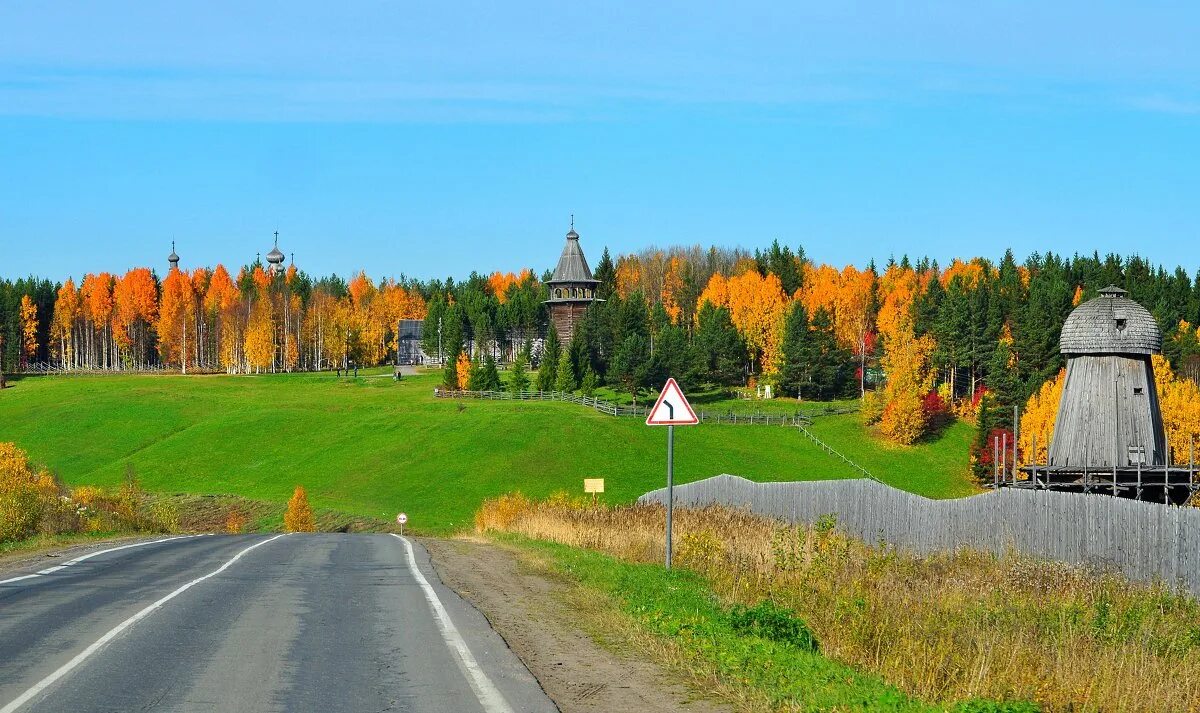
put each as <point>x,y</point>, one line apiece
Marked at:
<point>1109,414</point>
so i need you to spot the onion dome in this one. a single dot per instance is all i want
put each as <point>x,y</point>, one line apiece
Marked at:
<point>275,257</point>
<point>1111,324</point>
<point>173,258</point>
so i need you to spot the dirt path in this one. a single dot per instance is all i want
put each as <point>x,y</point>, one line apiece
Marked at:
<point>531,613</point>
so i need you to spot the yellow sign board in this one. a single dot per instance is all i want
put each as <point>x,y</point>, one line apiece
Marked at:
<point>593,485</point>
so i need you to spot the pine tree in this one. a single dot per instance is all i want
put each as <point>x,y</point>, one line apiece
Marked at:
<point>794,374</point>
<point>673,357</point>
<point>590,382</point>
<point>631,364</point>
<point>606,273</point>
<point>564,378</point>
<point>720,353</point>
<point>518,374</point>
<point>475,377</point>
<point>450,375</point>
<point>491,376</point>
<point>548,366</point>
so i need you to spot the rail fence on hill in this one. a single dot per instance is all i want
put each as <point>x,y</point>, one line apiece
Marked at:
<point>46,367</point>
<point>720,417</point>
<point>1144,541</point>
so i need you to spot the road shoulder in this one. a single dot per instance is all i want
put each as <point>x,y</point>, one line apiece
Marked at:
<point>550,624</point>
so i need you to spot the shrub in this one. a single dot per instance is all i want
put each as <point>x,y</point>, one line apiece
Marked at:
<point>904,419</point>
<point>25,496</point>
<point>235,523</point>
<point>873,403</point>
<point>500,513</point>
<point>773,622</point>
<point>299,516</point>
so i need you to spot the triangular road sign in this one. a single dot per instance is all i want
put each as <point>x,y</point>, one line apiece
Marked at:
<point>672,408</point>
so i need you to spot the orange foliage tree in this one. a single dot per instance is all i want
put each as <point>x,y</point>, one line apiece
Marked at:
<point>1039,417</point>
<point>463,369</point>
<point>96,294</point>
<point>629,275</point>
<point>67,311</point>
<point>176,323</point>
<point>135,309</point>
<point>757,307</point>
<point>299,515</point>
<point>221,306</point>
<point>672,288</point>
<point>28,315</point>
<point>260,336</point>
<point>909,378</point>
<point>1179,398</point>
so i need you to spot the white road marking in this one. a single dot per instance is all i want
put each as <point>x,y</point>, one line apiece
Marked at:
<point>487,693</point>
<point>99,643</point>
<point>77,560</point>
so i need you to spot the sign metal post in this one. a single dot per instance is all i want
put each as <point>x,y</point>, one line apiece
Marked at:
<point>672,409</point>
<point>670,487</point>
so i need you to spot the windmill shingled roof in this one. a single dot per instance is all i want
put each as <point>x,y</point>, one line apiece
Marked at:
<point>1111,324</point>
<point>572,265</point>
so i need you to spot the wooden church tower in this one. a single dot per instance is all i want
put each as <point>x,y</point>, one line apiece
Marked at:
<point>1109,416</point>
<point>572,288</point>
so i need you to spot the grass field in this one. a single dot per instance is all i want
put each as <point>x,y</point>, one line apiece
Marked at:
<point>371,447</point>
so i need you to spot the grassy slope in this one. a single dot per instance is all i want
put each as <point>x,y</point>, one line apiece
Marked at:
<point>373,447</point>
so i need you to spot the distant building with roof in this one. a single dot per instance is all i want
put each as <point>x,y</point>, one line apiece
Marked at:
<point>572,288</point>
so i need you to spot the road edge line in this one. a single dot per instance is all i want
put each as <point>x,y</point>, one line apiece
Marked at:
<point>80,657</point>
<point>77,560</point>
<point>489,696</point>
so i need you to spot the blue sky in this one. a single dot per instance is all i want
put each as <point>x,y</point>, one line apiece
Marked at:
<point>433,139</point>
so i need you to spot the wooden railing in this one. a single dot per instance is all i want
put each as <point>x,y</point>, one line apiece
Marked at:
<point>732,418</point>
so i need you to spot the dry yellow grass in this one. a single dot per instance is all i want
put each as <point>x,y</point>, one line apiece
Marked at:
<point>943,628</point>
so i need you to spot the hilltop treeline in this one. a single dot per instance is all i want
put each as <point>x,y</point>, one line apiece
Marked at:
<point>919,341</point>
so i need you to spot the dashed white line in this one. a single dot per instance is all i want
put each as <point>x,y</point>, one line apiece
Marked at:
<point>99,643</point>
<point>487,693</point>
<point>77,560</point>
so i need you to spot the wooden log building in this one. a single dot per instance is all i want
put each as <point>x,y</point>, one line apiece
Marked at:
<point>572,288</point>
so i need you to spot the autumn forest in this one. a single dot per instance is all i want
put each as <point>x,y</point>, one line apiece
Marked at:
<point>918,343</point>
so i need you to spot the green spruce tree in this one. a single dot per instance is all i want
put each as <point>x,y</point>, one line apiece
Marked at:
<point>518,374</point>
<point>548,366</point>
<point>564,379</point>
<point>490,379</point>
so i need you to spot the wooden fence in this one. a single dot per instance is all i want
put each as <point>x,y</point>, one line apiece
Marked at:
<point>716,417</point>
<point>1144,541</point>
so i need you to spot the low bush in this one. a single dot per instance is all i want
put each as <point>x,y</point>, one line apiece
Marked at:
<point>770,621</point>
<point>33,502</point>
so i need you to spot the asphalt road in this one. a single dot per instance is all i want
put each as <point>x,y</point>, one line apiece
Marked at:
<point>254,623</point>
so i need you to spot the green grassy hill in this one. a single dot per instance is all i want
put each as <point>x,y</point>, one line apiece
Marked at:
<point>373,447</point>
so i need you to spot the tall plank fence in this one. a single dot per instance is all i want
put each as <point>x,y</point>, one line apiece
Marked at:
<point>1144,541</point>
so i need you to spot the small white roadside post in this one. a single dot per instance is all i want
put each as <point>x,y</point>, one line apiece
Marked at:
<point>402,518</point>
<point>672,409</point>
